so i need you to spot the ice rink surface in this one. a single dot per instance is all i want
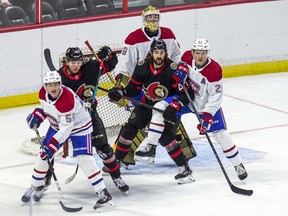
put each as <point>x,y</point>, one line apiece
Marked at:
<point>256,111</point>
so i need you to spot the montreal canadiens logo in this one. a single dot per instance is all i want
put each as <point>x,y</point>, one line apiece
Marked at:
<point>156,92</point>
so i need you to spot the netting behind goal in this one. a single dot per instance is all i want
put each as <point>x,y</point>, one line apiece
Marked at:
<point>111,114</point>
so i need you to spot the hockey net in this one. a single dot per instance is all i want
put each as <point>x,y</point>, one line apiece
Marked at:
<point>111,114</point>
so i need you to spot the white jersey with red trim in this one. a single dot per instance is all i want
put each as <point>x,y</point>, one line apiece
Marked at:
<point>67,114</point>
<point>207,84</point>
<point>137,46</point>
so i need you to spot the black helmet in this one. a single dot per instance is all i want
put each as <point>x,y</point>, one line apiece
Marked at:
<point>158,45</point>
<point>74,54</point>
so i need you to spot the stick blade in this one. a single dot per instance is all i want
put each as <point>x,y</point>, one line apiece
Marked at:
<point>48,59</point>
<point>241,191</point>
<point>69,209</point>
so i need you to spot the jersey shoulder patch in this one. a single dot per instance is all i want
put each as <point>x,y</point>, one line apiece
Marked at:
<point>187,57</point>
<point>213,72</point>
<point>173,65</point>
<point>141,62</point>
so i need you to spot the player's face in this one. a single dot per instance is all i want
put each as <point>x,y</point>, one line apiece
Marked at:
<point>74,66</point>
<point>200,57</point>
<point>158,58</point>
<point>53,89</point>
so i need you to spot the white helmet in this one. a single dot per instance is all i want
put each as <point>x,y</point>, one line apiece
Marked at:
<point>149,11</point>
<point>51,77</point>
<point>201,44</point>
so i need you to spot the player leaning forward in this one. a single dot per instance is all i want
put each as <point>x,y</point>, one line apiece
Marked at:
<point>69,118</point>
<point>205,77</point>
<point>155,75</point>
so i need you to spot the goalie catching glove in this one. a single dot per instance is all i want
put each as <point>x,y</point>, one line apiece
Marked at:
<point>170,112</point>
<point>36,118</point>
<point>206,123</point>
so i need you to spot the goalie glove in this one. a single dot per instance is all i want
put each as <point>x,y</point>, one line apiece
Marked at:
<point>170,112</point>
<point>206,123</point>
<point>105,53</point>
<point>49,149</point>
<point>36,118</point>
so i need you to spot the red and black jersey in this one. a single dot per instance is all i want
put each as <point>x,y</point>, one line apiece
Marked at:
<point>156,84</point>
<point>84,82</point>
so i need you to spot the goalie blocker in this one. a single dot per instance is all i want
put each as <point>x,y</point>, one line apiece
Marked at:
<point>181,134</point>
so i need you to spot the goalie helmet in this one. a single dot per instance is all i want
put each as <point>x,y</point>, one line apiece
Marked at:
<point>74,54</point>
<point>150,18</point>
<point>51,77</point>
<point>201,44</point>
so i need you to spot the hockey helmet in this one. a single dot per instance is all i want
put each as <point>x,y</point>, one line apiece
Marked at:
<point>150,18</point>
<point>74,54</point>
<point>158,45</point>
<point>51,77</point>
<point>201,44</point>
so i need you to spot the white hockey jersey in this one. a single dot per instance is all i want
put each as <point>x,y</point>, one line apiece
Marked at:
<point>67,114</point>
<point>207,84</point>
<point>137,46</point>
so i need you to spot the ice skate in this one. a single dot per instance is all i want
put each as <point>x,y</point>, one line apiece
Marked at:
<point>184,175</point>
<point>104,202</point>
<point>241,172</point>
<point>36,192</point>
<point>146,155</point>
<point>121,185</point>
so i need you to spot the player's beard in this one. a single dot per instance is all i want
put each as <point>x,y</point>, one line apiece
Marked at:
<point>159,61</point>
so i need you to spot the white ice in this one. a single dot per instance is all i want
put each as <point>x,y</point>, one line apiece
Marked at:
<point>256,110</point>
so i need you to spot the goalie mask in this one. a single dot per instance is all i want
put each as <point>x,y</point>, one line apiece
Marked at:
<point>201,44</point>
<point>150,18</point>
<point>74,54</point>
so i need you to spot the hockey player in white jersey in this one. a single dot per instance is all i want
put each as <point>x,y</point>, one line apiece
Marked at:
<point>69,118</point>
<point>205,77</point>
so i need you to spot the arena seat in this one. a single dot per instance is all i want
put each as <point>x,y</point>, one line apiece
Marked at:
<point>69,9</point>
<point>48,12</point>
<point>14,16</point>
<point>96,7</point>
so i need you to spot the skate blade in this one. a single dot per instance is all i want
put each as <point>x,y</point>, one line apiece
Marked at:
<point>147,160</point>
<point>104,207</point>
<point>185,180</point>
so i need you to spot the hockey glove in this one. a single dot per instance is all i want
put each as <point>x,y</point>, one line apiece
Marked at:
<point>49,149</point>
<point>170,112</point>
<point>105,53</point>
<point>36,118</point>
<point>206,123</point>
<point>180,75</point>
<point>115,94</point>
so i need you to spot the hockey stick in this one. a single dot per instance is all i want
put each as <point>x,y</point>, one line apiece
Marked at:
<point>233,187</point>
<point>96,56</point>
<point>65,208</point>
<point>48,59</point>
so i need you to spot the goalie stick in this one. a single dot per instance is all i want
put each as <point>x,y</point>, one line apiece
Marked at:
<point>235,189</point>
<point>65,208</point>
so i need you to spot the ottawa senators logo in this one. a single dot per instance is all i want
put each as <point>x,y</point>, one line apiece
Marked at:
<point>156,92</point>
<point>85,92</point>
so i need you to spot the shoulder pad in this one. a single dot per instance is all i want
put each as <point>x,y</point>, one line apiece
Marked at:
<point>141,62</point>
<point>173,65</point>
